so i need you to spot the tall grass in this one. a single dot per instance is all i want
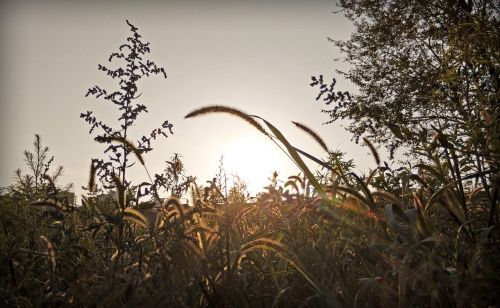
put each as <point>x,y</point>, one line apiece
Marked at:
<point>408,238</point>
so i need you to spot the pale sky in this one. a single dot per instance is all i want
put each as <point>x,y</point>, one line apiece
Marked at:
<point>254,55</point>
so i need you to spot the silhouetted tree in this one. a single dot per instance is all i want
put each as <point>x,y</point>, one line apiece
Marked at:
<point>422,68</point>
<point>427,74</point>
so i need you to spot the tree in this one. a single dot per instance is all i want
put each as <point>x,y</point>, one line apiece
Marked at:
<point>427,74</point>
<point>427,78</point>
<point>112,172</point>
<point>424,69</point>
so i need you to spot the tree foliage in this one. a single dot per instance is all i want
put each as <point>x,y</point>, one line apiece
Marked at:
<point>423,69</point>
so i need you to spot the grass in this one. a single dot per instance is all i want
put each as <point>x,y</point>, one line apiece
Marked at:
<point>413,238</point>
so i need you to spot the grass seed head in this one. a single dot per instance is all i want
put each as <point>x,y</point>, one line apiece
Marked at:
<point>313,134</point>
<point>229,110</point>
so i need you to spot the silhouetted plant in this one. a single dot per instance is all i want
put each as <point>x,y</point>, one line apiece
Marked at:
<point>174,178</point>
<point>112,171</point>
<point>37,183</point>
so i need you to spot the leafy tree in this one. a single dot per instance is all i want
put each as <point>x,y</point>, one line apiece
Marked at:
<point>427,74</point>
<point>423,69</point>
<point>112,171</point>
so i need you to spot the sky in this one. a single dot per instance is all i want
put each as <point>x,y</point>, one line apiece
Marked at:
<point>257,56</point>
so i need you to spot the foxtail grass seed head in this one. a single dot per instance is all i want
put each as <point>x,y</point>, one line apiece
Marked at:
<point>229,110</point>
<point>313,134</point>
<point>373,150</point>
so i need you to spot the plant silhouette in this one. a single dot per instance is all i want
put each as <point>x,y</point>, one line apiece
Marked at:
<point>135,66</point>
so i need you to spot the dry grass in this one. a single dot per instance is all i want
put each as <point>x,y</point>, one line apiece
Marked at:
<point>394,239</point>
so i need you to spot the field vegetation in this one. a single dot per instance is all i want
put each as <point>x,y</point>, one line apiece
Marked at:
<point>422,232</point>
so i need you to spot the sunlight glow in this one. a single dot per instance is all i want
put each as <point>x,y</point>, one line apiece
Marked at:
<point>253,159</point>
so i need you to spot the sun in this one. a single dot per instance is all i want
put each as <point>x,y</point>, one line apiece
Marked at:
<point>253,159</point>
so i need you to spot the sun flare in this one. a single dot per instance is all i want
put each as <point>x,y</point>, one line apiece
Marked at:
<point>253,159</point>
